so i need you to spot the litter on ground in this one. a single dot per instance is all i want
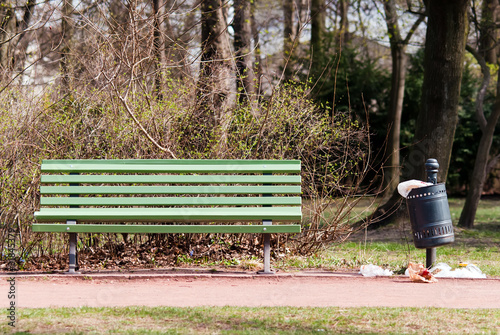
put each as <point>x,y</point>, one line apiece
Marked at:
<point>371,270</point>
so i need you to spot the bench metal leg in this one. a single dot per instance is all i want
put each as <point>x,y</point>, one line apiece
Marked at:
<point>267,250</point>
<point>73,267</point>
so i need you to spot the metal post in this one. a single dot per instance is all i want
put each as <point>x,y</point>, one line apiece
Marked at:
<point>267,239</point>
<point>267,250</point>
<point>73,238</point>
<point>430,257</point>
<point>72,250</point>
<point>432,168</point>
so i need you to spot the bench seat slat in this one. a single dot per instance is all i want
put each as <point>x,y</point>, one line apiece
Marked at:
<point>163,229</point>
<point>170,179</point>
<point>169,201</point>
<point>111,167</point>
<point>266,189</point>
<point>280,214</point>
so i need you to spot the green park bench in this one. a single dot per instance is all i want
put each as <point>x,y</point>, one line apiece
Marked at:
<point>169,196</point>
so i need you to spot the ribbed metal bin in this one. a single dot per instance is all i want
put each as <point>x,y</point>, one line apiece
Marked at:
<point>430,216</point>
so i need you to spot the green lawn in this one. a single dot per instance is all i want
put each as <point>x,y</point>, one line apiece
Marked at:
<point>240,320</point>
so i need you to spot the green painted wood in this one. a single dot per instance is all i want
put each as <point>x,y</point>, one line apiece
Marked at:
<point>258,184</point>
<point>171,168</point>
<point>169,201</point>
<point>268,189</point>
<point>232,214</point>
<point>170,179</point>
<point>164,229</point>
<point>171,161</point>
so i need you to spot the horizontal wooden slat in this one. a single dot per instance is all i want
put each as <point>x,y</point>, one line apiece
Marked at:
<point>171,179</point>
<point>172,161</point>
<point>113,167</point>
<point>163,229</point>
<point>265,189</point>
<point>169,201</point>
<point>280,214</point>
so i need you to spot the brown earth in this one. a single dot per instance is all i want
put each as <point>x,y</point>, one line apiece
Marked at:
<point>194,288</point>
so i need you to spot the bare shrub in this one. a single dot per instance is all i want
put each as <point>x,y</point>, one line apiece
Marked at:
<point>117,103</point>
<point>92,124</point>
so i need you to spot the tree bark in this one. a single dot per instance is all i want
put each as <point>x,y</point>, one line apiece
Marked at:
<point>216,92</point>
<point>343,33</point>
<point>398,78</point>
<point>488,39</point>
<point>216,64</point>
<point>255,33</point>
<point>288,38</point>
<point>245,76</point>
<point>22,42</point>
<point>7,31</point>
<point>158,45</point>
<point>66,35</point>
<point>318,17</point>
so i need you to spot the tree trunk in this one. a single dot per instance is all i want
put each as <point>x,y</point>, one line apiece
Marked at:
<point>255,33</point>
<point>7,30</point>
<point>484,55</point>
<point>216,63</point>
<point>245,77</point>
<point>216,90</point>
<point>343,33</point>
<point>318,17</point>
<point>66,35</point>
<point>398,77</point>
<point>288,38</point>
<point>157,48</point>
<point>22,42</point>
<point>438,117</point>
<point>479,173</point>
<point>443,64</point>
<point>488,39</point>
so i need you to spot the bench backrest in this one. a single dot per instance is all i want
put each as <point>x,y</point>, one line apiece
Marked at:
<point>139,183</point>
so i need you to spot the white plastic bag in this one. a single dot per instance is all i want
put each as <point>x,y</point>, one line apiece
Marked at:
<point>371,270</point>
<point>443,270</point>
<point>405,187</point>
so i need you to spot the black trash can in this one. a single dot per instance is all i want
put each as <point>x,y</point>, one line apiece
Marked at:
<point>430,216</point>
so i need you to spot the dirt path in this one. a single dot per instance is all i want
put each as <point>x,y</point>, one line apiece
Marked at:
<point>247,289</point>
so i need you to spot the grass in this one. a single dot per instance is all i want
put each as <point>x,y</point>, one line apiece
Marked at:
<point>241,320</point>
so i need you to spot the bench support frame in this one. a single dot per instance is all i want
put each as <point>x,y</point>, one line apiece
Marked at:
<point>267,251</point>
<point>73,238</point>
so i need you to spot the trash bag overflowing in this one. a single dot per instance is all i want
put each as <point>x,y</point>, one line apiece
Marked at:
<point>443,270</point>
<point>405,187</point>
<point>419,273</point>
<point>371,270</point>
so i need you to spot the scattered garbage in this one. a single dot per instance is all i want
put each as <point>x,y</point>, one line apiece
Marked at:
<point>405,187</point>
<point>371,270</point>
<point>443,270</point>
<point>419,273</point>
